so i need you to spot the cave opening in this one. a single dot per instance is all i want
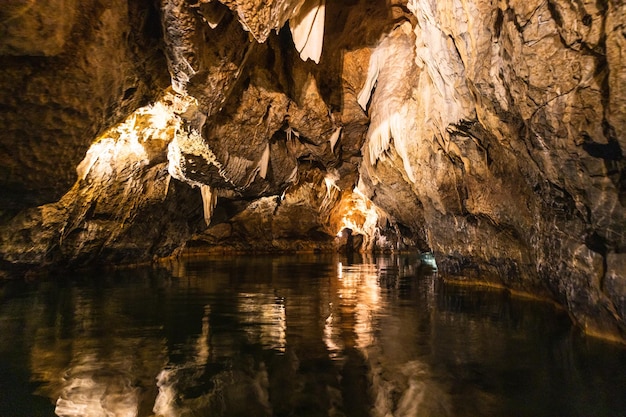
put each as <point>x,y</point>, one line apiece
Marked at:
<point>349,241</point>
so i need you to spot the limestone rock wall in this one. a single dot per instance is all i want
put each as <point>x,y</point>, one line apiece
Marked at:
<point>509,138</point>
<point>68,71</point>
<point>124,208</point>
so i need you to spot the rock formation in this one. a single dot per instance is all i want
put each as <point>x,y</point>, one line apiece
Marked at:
<point>491,134</point>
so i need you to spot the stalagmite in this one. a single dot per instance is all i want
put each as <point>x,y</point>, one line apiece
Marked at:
<point>307,29</point>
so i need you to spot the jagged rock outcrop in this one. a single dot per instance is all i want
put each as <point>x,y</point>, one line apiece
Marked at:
<point>490,134</point>
<point>115,212</point>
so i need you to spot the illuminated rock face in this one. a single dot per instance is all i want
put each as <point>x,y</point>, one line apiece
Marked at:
<point>492,135</point>
<point>115,211</point>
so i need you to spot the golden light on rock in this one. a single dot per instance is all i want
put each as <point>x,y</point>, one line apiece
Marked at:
<point>144,133</point>
<point>357,213</point>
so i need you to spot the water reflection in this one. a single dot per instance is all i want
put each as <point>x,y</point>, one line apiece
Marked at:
<point>293,336</point>
<point>87,358</point>
<point>264,320</point>
<point>91,391</point>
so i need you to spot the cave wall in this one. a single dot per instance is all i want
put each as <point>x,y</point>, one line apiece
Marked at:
<point>509,137</point>
<point>68,71</point>
<point>124,207</point>
<point>491,134</point>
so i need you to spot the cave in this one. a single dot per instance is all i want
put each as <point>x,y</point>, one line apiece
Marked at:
<point>481,140</point>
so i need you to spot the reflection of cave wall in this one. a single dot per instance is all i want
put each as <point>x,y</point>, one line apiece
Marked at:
<point>491,135</point>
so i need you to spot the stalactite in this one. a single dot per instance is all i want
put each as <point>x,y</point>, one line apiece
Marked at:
<point>213,13</point>
<point>307,29</point>
<point>334,139</point>
<point>390,111</point>
<point>209,201</point>
<point>264,162</point>
<point>370,82</point>
<point>236,168</point>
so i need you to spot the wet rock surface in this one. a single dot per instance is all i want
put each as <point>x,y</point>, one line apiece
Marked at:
<point>491,135</point>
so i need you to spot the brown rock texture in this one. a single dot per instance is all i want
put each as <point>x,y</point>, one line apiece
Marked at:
<point>506,146</point>
<point>114,213</point>
<point>68,71</point>
<point>491,134</point>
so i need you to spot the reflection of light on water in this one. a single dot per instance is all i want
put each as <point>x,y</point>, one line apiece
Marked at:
<point>165,403</point>
<point>265,319</point>
<point>91,391</point>
<point>105,371</point>
<point>360,291</point>
<point>359,302</point>
<point>332,336</point>
<point>399,387</point>
<point>264,322</point>
<point>407,389</point>
<point>202,345</point>
<point>85,361</point>
<point>239,391</point>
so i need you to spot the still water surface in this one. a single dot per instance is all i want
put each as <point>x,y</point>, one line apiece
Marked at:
<point>294,336</point>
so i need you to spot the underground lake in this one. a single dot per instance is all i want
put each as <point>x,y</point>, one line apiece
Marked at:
<point>301,335</point>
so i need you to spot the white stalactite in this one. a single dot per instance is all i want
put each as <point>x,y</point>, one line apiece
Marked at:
<point>370,81</point>
<point>307,29</point>
<point>334,139</point>
<point>209,201</point>
<point>264,162</point>
<point>237,170</point>
<point>392,115</point>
